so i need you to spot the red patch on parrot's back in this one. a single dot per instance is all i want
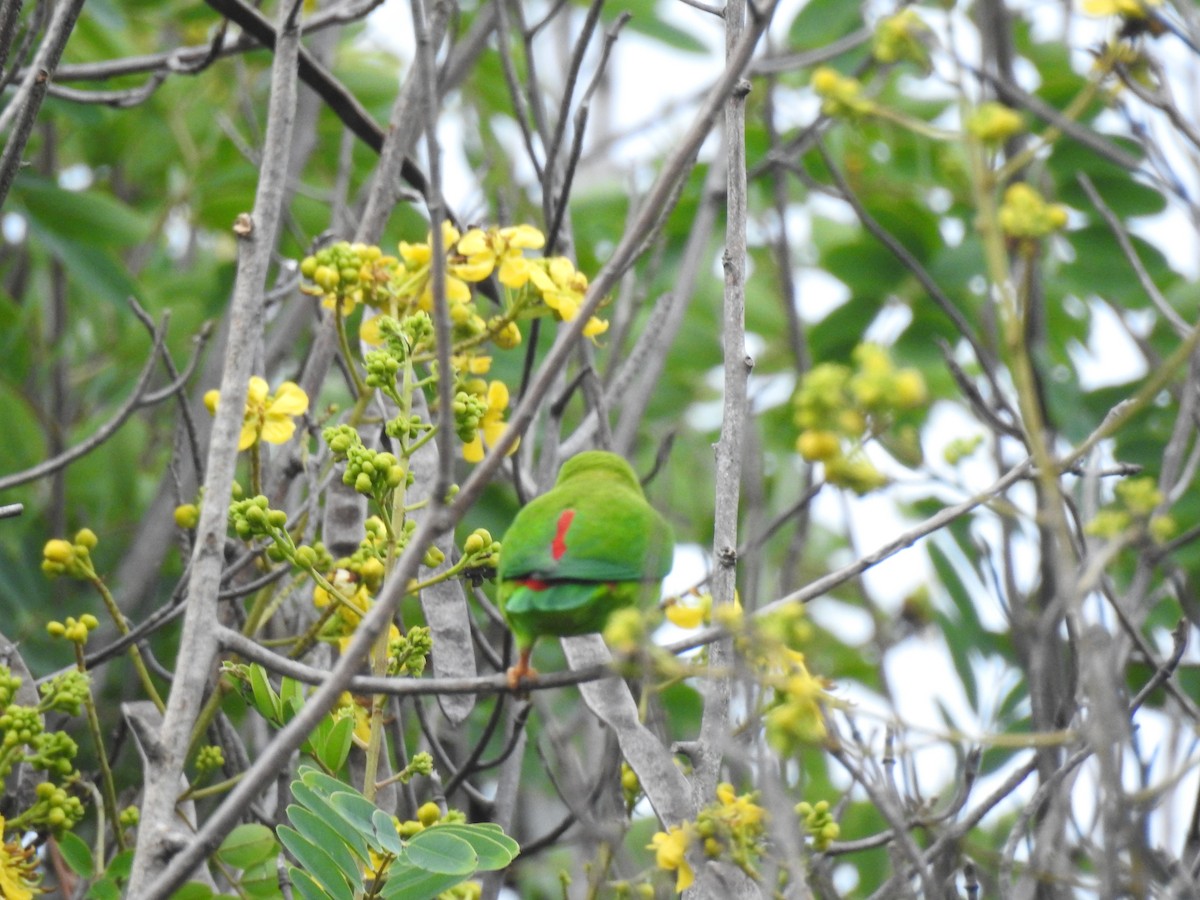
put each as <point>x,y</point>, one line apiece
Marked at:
<point>559,545</point>
<point>534,584</point>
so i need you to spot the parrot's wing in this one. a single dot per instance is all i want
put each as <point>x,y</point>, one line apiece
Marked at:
<point>607,537</point>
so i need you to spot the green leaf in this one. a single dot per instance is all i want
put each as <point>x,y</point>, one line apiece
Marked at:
<point>120,866</point>
<point>823,21</point>
<point>247,845</point>
<point>305,885</point>
<point>319,864</point>
<point>438,851</point>
<point>349,834</point>
<point>291,697</point>
<point>261,882</point>
<point>405,882</point>
<point>355,809</point>
<point>90,217</point>
<point>337,744</point>
<point>104,889</point>
<point>322,834</point>
<point>266,701</point>
<point>386,834</point>
<point>91,268</point>
<point>647,21</point>
<point>77,854</point>
<point>193,890</point>
<point>494,849</point>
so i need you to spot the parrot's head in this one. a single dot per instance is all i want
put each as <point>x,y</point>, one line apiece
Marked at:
<point>599,464</point>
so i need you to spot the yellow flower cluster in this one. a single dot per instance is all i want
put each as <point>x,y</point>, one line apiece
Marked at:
<point>903,36</point>
<point>670,853</point>
<point>841,95</point>
<point>732,828</point>
<point>1134,505</point>
<point>837,408</point>
<point>268,417</point>
<point>1025,214</point>
<point>993,123</point>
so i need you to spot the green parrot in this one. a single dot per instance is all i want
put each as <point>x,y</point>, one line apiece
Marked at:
<point>588,546</point>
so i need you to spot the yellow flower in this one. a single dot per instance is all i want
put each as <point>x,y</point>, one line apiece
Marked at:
<point>417,259</point>
<point>482,252</point>
<point>690,615</point>
<point>739,811</point>
<point>267,416</point>
<point>595,327</point>
<point>670,853</point>
<point>18,865</point>
<point>561,286</point>
<point>1026,214</point>
<point>492,426</point>
<point>1129,9</point>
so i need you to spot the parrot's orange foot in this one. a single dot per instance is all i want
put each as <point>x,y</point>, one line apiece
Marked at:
<point>522,671</point>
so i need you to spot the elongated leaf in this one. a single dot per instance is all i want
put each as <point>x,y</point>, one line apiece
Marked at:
<point>386,834</point>
<point>350,835</point>
<point>405,882</point>
<point>323,835</point>
<point>86,216</point>
<point>438,851</point>
<point>193,890</point>
<point>247,845</point>
<point>77,854</point>
<point>319,864</point>
<point>494,848</point>
<point>337,743</point>
<point>261,882</point>
<point>266,701</point>
<point>305,885</point>
<point>357,810</point>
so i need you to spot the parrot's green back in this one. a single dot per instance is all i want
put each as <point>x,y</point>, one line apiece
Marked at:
<point>588,546</point>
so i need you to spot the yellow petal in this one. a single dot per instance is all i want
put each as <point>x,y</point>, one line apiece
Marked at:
<point>278,430</point>
<point>415,254</point>
<point>515,271</point>
<point>476,268</point>
<point>685,879</point>
<point>257,390</point>
<point>249,434</point>
<point>290,400</point>
<point>524,236</point>
<point>473,450</point>
<point>541,279</point>
<point>497,396</point>
<point>473,242</point>
<point>211,399</point>
<point>561,270</point>
<point>449,235</point>
<point>457,290</point>
<point>493,432</point>
<point>595,327</point>
<point>369,333</point>
<point>685,616</point>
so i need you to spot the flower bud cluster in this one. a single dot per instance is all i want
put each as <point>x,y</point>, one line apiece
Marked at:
<point>345,274</point>
<point>209,758</point>
<point>74,630</point>
<point>408,653</point>
<point>54,809</point>
<point>374,473</point>
<point>24,738</point>
<point>70,558</point>
<point>818,822</point>
<point>838,407</point>
<point>1133,506</point>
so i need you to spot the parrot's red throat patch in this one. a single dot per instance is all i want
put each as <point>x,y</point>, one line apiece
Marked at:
<point>558,546</point>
